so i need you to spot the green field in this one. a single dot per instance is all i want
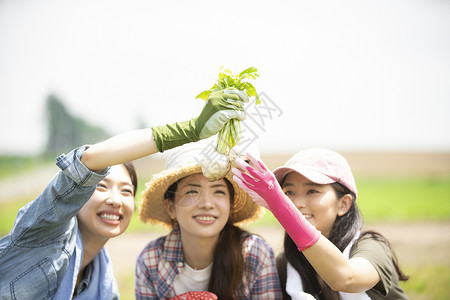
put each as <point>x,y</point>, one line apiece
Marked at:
<point>394,200</point>
<point>10,165</point>
<point>405,199</point>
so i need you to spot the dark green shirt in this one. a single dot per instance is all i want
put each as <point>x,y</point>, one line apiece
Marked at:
<point>379,255</point>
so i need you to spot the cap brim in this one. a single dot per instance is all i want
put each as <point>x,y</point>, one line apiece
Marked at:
<point>311,174</point>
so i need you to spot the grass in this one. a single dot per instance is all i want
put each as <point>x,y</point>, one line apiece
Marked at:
<point>431,282</point>
<point>8,213</point>
<point>394,200</point>
<point>12,165</point>
<point>380,200</point>
<point>405,199</point>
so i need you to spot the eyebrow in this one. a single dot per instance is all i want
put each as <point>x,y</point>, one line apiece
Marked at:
<point>120,182</point>
<point>199,185</point>
<point>304,184</point>
<point>192,184</point>
<point>219,184</point>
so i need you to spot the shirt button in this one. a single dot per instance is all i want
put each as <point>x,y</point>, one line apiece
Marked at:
<point>180,264</point>
<point>168,282</point>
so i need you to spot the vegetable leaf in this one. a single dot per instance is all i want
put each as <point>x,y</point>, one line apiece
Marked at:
<point>229,135</point>
<point>204,95</point>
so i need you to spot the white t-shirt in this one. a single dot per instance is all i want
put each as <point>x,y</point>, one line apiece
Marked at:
<point>192,280</point>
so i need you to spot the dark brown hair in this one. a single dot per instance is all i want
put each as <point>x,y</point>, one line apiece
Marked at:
<point>344,229</point>
<point>133,176</point>
<point>228,261</point>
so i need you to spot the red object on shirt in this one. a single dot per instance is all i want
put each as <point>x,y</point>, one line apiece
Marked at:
<point>200,295</point>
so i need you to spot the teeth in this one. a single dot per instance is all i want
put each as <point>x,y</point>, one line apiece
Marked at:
<point>110,217</point>
<point>205,218</point>
<point>307,216</point>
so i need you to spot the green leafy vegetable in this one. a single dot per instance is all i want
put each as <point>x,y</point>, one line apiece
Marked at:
<point>229,135</point>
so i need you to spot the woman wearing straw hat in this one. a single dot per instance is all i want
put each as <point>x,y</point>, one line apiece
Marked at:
<point>205,250</point>
<point>56,248</point>
<point>326,256</point>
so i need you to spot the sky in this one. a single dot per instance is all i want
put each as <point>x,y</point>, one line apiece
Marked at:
<point>347,75</point>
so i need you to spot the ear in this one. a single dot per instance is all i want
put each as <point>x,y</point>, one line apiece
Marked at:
<point>344,204</point>
<point>170,207</point>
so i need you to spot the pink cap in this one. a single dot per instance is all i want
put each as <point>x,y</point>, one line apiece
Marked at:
<point>321,166</point>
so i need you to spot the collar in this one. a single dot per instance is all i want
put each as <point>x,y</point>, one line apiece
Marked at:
<point>173,248</point>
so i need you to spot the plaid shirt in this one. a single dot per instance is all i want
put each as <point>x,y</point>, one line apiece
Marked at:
<point>162,259</point>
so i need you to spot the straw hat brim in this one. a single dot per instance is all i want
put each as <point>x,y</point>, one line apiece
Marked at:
<point>152,209</point>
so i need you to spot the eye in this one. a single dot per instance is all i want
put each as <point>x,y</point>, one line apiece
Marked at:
<point>128,192</point>
<point>311,191</point>
<point>220,192</point>
<point>101,186</point>
<point>192,192</point>
<point>288,193</point>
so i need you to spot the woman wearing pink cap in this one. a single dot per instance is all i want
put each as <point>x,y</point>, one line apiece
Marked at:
<point>326,256</point>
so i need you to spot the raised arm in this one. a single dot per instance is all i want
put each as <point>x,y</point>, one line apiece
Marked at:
<point>354,275</point>
<point>119,149</point>
<point>220,107</point>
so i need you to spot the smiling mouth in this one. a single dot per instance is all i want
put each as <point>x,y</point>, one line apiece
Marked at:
<point>205,218</point>
<point>308,216</point>
<point>110,217</point>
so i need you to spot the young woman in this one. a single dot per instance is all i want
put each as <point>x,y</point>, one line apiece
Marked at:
<point>325,254</point>
<point>55,249</point>
<point>205,250</point>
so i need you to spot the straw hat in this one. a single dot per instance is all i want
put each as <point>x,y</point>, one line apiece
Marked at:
<point>181,162</point>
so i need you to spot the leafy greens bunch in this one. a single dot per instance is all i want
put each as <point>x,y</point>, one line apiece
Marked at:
<point>229,135</point>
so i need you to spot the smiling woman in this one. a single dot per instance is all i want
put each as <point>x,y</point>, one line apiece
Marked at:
<point>326,255</point>
<point>109,211</point>
<point>206,250</point>
<point>55,249</point>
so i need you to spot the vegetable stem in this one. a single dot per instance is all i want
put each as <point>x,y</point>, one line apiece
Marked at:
<point>229,135</point>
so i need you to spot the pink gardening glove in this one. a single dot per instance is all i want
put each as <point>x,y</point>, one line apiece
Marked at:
<point>263,183</point>
<point>254,195</point>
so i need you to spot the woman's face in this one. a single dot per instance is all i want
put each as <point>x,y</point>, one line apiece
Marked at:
<point>108,212</point>
<point>201,208</point>
<point>319,203</point>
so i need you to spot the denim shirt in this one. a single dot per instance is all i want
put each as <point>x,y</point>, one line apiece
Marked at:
<point>41,256</point>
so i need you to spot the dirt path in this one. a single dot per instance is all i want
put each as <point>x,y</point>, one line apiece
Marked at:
<point>416,244</point>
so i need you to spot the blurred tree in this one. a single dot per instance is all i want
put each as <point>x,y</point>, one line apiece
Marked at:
<point>65,131</point>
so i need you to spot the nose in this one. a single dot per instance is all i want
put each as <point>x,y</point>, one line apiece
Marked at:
<point>298,202</point>
<point>114,199</point>
<point>206,201</point>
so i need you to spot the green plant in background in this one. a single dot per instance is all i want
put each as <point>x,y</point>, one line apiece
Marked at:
<point>229,135</point>
<point>404,199</point>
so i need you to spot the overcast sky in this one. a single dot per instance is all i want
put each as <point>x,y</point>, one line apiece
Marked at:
<point>347,75</point>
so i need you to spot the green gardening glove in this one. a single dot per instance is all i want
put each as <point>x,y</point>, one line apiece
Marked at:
<point>220,107</point>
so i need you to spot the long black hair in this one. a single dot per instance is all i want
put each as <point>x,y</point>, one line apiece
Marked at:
<point>133,176</point>
<point>343,231</point>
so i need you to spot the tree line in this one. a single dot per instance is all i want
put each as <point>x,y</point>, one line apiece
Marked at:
<point>66,131</point>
